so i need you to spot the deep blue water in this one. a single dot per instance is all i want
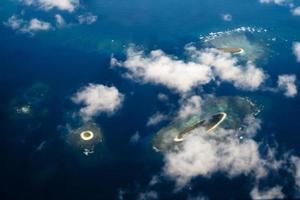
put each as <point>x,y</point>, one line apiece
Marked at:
<point>67,59</point>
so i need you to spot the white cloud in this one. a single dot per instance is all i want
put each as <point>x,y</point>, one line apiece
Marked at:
<point>68,5</point>
<point>203,154</point>
<point>160,68</point>
<point>227,17</point>
<point>114,61</point>
<point>189,106</point>
<point>156,118</point>
<point>296,50</point>
<point>60,21</point>
<point>35,25</point>
<point>97,99</point>
<point>296,171</point>
<point>287,84</point>
<point>32,26</point>
<point>226,68</point>
<point>201,67</point>
<point>296,11</point>
<point>271,193</point>
<point>87,18</point>
<point>278,2</point>
<point>223,151</point>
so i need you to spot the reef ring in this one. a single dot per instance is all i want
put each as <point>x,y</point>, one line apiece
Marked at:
<point>87,135</point>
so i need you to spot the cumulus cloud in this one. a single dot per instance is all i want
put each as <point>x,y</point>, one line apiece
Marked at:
<point>156,118</point>
<point>200,68</point>
<point>226,68</point>
<point>32,26</point>
<point>287,84</point>
<point>159,68</point>
<point>35,25</point>
<point>271,193</point>
<point>203,157</point>
<point>97,99</point>
<point>296,11</point>
<point>68,5</point>
<point>296,50</point>
<point>223,151</point>
<point>87,18</point>
<point>202,154</point>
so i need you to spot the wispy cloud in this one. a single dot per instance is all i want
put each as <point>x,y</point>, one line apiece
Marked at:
<point>295,10</point>
<point>135,138</point>
<point>278,2</point>
<point>87,18</point>
<point>60,21</point>
<point>148,195</point>
<point>296,172</point>
<point>68,5</point>
<point>32,26</point>
<point>156,118</point>
<point>191,105</point>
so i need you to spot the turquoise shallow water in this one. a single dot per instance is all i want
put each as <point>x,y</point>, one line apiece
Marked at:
<point>37,162</point>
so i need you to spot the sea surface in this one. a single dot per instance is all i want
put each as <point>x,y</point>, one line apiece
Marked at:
<point>36,162</point>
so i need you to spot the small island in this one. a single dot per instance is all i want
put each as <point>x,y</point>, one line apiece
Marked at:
<point>87,135</point>
<point>232,50</point>
<point>209,125</point>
